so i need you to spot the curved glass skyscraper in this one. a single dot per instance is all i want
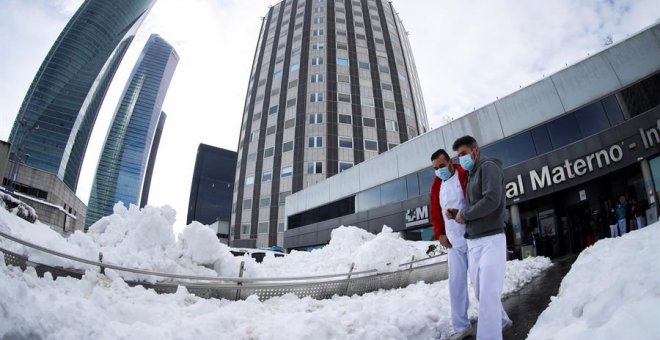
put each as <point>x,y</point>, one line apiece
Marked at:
<point>55,120</point>
<point>333,83</point>
<point>121,170</point>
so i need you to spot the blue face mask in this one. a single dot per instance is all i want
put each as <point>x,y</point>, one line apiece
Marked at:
<point>443,173</point>
<point>466,162</point>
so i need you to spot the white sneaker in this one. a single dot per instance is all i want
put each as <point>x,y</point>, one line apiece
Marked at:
<point>460,335</point>
<point>507,324</point>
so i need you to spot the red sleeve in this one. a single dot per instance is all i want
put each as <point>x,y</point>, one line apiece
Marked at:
<point>436,210</point>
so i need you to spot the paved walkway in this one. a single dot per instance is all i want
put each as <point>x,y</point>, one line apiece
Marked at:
<point>525,306</point>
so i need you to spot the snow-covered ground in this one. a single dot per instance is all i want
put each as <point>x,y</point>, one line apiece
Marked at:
<point>104,307</point>
<point>101,307</point>
<point>611,292</point>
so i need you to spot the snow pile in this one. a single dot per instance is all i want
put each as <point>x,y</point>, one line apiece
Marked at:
<point>611,292</point>
<point>104,307</point>
<point>17,207</point>
<point>384,252</point>
<point>134,238</point>
<point>144,239</point>
<point>519,273</point>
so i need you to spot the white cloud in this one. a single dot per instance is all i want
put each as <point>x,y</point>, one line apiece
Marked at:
<point>467,54</point>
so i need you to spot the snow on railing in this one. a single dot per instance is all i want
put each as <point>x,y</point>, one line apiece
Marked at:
<point>238,280</point>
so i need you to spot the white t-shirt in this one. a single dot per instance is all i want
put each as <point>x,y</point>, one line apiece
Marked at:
<point>451,196</point>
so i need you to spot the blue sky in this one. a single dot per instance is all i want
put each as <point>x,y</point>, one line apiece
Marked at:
<point>467,53</point>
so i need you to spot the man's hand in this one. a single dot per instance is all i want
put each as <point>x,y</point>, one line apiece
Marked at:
<point>444,241</point>
<point>459,217</point>
<point>449,215</point>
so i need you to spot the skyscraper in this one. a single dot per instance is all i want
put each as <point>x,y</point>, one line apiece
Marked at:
<point>144,198</point>
<point>56,117</point>
<point>333,83</point>
<point>212,187</point>
<point>121,170</point>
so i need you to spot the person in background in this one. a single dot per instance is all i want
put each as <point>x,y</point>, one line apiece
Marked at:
<point>620,211</point>
<point>630,213</point>
<point>484,215</point>
<point>614,222</point>
<point>639,213</point>
<point>448,190</point>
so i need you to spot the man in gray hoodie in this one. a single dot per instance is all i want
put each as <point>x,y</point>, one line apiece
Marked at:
<point>484,214</point>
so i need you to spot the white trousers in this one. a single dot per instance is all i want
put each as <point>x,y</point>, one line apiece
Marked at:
<point>641,222</point>
<point>613,231</point>
<point>458,286</point>
<point>622,227</point>
<point>487,265</point>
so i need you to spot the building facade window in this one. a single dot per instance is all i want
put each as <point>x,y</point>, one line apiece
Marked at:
<point>368,122</point>
<point>287,171</point>
<point>316,78</point>
<point>367,101</point>
<point>247,204</point>
<point>316,97</point>
<point>315,118</point>
<point>315,142</point>
<point>269,152</point>
<point>370,145</point>
<point>345,119</point>
<point>266,176</point>
<point>345,166</point>
<point>343,97</point>
<point>254,136</point>
<point>317,61</point>
<point>391,125</point>
<point>315,167</point>
<point>345,142</point>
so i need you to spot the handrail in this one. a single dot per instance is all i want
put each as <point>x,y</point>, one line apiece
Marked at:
<point>193,277</point>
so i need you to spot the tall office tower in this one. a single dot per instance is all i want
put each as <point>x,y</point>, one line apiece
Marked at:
<point>212,188</point>
<point>55,121</point>
<point>144,198</point>
<point>333,83</point>
<point>121,170</point>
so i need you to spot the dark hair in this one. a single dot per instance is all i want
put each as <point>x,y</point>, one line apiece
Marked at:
<point>438,153</point>
<point>465,140</point>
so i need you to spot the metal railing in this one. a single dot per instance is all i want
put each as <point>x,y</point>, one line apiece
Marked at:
<point>239,288</point>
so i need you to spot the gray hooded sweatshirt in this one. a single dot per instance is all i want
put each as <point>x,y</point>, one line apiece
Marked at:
<point>484,208</point>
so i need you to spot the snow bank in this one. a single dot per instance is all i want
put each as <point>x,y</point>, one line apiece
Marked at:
<point>611,292</point>
<point>384,252</point>
<point>519,273</point>
<point>104,307</point>
<point>144,239</point>
<point>17,207</point>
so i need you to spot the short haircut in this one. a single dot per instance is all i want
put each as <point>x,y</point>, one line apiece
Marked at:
<point>438,153</point>
<point>465,140</point>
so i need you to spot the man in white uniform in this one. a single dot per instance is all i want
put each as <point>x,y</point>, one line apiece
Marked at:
<point>448,191</point>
